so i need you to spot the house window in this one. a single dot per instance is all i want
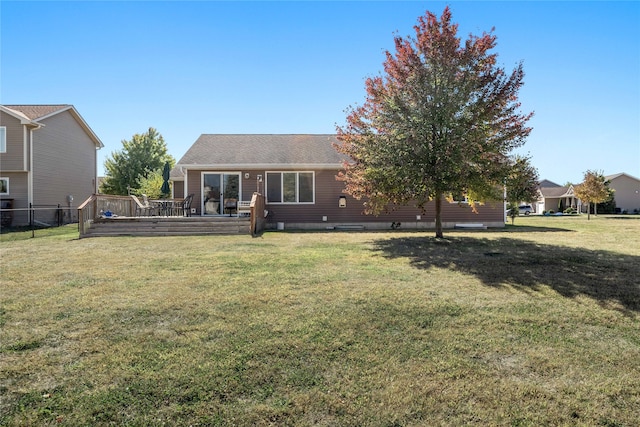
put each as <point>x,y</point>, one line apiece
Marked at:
<point>290,187</point>
<point>4,186</point>
<point>3,139</point>
<point>458,198</point>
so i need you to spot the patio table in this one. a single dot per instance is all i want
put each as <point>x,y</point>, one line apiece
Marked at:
<point>164,206</point>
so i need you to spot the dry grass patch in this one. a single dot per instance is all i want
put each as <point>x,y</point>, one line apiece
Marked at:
<point>536,324</point>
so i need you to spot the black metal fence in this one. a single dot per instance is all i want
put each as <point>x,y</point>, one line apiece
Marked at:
<point>35,217</point>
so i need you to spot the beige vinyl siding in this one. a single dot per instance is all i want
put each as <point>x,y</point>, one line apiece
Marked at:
<point>13,158</point>
<point>193,187</point>
<point>627,192</point>
<point>64,162</point>
<point>178,190</point>
<point>18,192</point>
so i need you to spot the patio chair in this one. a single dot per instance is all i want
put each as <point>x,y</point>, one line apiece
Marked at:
<point>141,209</point>
<point>153,207</point>
<point>231,205</point>
<point>183,207</point>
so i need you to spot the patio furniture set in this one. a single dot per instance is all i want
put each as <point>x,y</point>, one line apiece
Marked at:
<point>163,207</point>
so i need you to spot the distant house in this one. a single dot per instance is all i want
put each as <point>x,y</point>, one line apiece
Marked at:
<point>554,197</point>
<point>48,157</point>
<point>627,192</point>
<point>297,174</point>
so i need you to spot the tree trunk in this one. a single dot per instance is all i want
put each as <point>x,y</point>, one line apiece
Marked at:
<point>439,216</point>
<point>588,211</point>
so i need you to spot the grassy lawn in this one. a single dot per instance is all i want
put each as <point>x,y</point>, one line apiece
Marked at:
<point>536,324</point>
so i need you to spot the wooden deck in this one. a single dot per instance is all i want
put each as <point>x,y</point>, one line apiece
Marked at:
<point>126,222</point>
<point>169,226</point>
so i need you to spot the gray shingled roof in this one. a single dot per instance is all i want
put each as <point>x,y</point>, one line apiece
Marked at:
<point>554,191</point>
<point>34,112</point>
<point>545,183</point>
<point>255,150</point>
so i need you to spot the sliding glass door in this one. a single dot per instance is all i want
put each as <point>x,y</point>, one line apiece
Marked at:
<point>218,190</point>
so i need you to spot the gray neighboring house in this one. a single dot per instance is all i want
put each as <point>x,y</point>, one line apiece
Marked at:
<point>48,157</point>
<point>627,192</point>
<point>297,174</point>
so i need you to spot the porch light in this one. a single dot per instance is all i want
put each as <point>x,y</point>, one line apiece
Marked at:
<point>342,202</point>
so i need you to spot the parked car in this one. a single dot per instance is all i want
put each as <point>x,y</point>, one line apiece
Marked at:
<point>525,209</point>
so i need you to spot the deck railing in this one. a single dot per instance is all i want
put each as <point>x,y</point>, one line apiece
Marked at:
<point>258,220</point>
<point>97,204</point>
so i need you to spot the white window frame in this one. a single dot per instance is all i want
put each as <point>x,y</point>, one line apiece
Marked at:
<point>464,200</point>
<point>3,139</point>
<point>6,181</point>
<point>297,174</point>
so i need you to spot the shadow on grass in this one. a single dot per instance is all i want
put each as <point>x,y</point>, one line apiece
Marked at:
<point>516,228</point>
<point>610,278</point>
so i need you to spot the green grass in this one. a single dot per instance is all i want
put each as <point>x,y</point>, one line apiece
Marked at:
<point>536,324</point>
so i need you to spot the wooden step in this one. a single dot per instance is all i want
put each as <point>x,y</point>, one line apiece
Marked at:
<point>169,226</point>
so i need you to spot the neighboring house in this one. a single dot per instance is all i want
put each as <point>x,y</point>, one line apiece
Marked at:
<point>48,157</point>
<point>554,197</point>
<point>627,192</point>
<point>297,174</point>
<point>545,183</point>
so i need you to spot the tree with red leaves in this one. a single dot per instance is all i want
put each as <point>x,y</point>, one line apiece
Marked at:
<point>441,121</point>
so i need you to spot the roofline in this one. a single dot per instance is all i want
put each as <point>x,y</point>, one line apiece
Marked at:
<point>65,107</point>
<point>24,120</point>
<point>616,175</point>
<point>268,134</point>
<point>568,193</point>
<point>262,166</point>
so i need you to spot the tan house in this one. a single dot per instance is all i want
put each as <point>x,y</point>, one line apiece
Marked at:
<point>627,192</point>
<point>297,174</point>
<point>554,197</point>
<point>48,158</point>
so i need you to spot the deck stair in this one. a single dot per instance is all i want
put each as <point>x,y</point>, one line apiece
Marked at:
<point>169,226</point>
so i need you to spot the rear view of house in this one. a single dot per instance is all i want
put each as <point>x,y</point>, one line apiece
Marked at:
<point>48,158</point>
<point>297,174</point>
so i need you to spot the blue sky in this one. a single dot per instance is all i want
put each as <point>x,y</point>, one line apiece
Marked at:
<point>188,68</point>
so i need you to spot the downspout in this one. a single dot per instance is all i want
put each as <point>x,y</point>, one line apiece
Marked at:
<point>185,185</point>
<point>95,173</point>
<point>25,136</point>
<point>30,173</point>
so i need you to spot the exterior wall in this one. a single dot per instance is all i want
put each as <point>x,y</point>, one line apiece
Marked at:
<point>14,158</point>
<point>627,195</point>
<point>18,184</point>
<point>64,163</point>
<point>325,212</point>
<point>13,166</point>
<point>178,190</point>
<point>553,204</point>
